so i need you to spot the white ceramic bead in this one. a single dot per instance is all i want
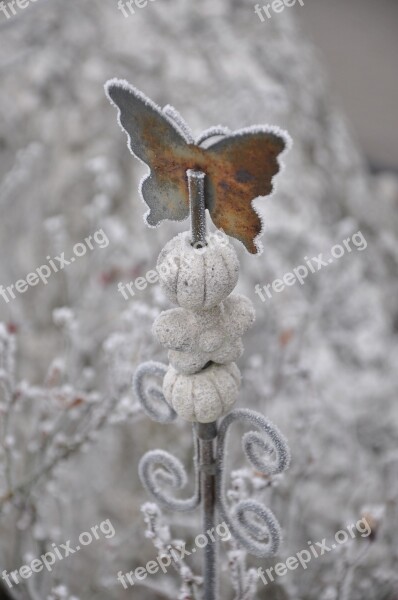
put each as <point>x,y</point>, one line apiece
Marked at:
<point>197,279</point>
<point>204,396</point>
<point>194,339</point>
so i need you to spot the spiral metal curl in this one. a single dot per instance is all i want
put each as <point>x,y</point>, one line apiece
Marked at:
<point>152,398</point>
<point>158,468</point>
<point>261,536</point>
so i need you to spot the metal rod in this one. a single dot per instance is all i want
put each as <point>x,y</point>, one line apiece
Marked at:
<point>197,203</point>
<point>207,433</point>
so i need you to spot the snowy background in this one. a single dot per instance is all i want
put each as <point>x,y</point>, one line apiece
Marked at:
<point>320,362</point>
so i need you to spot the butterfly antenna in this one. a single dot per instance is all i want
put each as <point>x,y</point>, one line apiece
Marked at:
<point>211,132</point>
<point>175,116</point>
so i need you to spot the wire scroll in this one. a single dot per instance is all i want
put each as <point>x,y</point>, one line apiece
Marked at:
<point>268,452</point>
<point>159,469</point>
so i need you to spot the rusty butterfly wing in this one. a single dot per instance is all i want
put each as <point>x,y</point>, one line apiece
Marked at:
<point>241,168</point>
<point>159,143</point>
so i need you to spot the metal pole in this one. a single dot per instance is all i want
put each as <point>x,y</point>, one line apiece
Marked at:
<point>196,186</point>
<point>206,432</point>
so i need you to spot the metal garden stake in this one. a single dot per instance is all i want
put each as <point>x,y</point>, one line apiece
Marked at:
<point>221,172</point>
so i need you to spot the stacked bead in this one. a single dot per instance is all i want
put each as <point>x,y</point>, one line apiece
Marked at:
<point>203,335</point>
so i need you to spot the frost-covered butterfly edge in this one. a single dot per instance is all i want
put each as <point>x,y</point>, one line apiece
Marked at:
<point>239,167</point>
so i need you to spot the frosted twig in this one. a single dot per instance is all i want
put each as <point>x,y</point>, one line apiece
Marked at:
<point>161,538</point>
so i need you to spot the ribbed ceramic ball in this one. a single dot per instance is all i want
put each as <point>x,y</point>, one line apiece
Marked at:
<point>204,396</point>
<point>197,278</point>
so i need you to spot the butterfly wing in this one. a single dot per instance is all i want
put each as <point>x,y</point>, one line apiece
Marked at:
<point>241,168</point>
<point>161,145</point>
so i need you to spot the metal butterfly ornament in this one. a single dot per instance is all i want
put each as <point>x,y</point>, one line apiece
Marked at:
<point>238,166</point>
